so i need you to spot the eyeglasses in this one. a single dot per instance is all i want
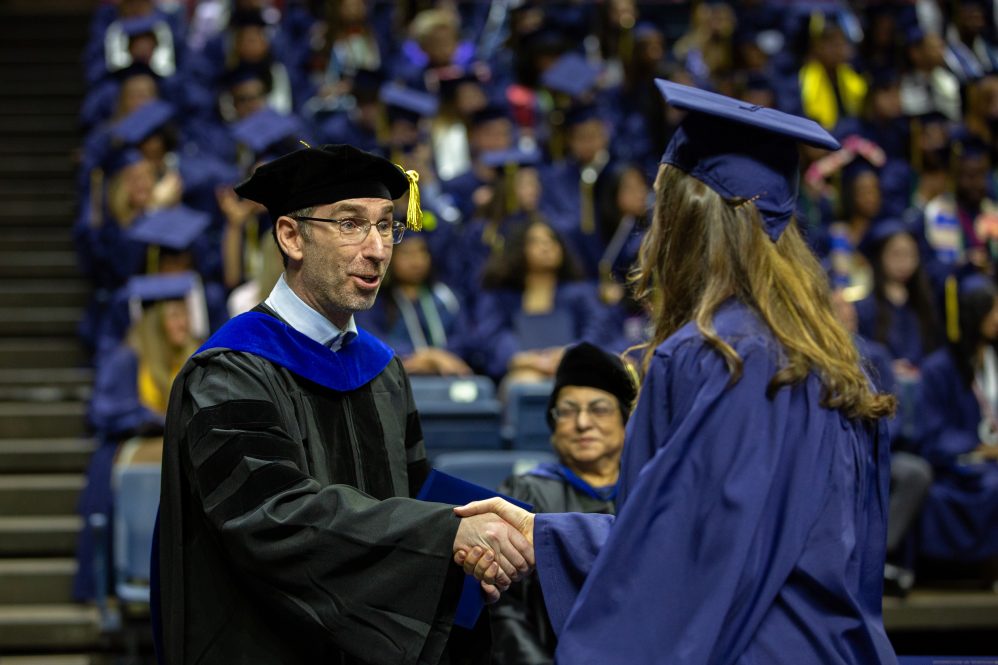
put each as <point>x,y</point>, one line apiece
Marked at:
<point>570,412</point>
<point>355,229</point>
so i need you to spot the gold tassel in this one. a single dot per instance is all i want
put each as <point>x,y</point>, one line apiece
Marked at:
<point>414,213</point>
<point>952,310</point>
<point>509,182</point>
<point>304,144</point>
<point>587,223</point>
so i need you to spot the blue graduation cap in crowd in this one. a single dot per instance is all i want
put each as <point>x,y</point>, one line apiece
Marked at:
<point>140,25</point>
<point>514,156</point>
<point>266,128</point>
<point>155,288</point>
<point>741,151</point>
<point>581,113</point>
<point>492,111</point>
<point>174,228</point>
<point>408,103</point>
<point>570,74</point>
<point>116,160</point>
<point>144,121</point>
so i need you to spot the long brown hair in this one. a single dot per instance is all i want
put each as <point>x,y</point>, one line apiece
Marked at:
<point>702,250</point>
<point>148,340</point>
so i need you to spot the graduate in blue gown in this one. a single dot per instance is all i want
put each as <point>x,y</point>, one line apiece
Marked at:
<point>752,507</point>
<point>130,394</point>
<point>960,433</point>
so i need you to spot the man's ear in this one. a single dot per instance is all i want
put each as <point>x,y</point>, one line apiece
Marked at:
<point>289,237</point>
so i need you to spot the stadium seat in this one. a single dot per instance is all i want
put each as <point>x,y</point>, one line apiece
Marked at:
<point>458,413</point>
<point>136,499</point>
<point>489,468</point>
<point>525,422</point>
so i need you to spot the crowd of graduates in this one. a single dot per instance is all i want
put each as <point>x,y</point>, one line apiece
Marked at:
<point>536,130</point>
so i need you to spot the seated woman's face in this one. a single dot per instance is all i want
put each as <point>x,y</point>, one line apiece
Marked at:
<point>899,259</point>
<point>541,249</point>
<point>176,323</point>
<point>589,427</point>
<point>411,261</point>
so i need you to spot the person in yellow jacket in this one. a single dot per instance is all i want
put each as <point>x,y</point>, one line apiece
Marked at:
<point>830,88</point>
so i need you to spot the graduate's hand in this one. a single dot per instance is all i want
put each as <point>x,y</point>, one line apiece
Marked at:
<point>490,591</point>
<point>519,518</point>
<point>508,555</point>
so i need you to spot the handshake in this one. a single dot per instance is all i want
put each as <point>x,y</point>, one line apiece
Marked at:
<point>495,543</point>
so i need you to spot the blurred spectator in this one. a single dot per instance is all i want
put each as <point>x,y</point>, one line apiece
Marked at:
<point>969,51</point>
<point>927,85</point>
<point>706,48</point>
<point>830,88</point>
<point>960,433</point>
<point>900,313</point>
<point>416,315</point>
<point>532,306</point>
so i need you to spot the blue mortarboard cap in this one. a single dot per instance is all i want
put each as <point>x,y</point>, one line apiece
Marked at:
<point>645,30</point>
<point>913,33</point>
<point>490,112</point>
<point>154,288</point>
<point>248,17</point>
<point>975,281</point>
<point>141,123</point>
<point>515,156</point>
<point>413,103</point>
<point>740,150</point>
<point>135,69</point>
<point>570,74</point>
<point>174,228</point>
<point>968,144</point>
<point>243,73</point>
<point>139,25</point>
<point>367,80</point>
<point>881,232</point>
<point>116,160</point>
<point>266,128</point>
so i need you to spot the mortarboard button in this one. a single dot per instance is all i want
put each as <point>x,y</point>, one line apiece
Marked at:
<point>741,151</point>
<point>175,228</point>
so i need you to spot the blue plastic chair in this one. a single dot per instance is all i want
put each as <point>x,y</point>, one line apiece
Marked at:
<point>525,422</point>
<point>489,468</point>
<point>458,413</point>
<point>136,501</point>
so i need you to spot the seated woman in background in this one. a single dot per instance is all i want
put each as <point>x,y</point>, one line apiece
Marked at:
<point>899,313</point>
<point>534,304</point>
<point>588,408</point>
<point>131,391</point>
<point>419,317</point>
<point>960,433</point>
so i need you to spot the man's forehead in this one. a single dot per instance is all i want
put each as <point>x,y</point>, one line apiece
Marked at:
<point>365,204</point>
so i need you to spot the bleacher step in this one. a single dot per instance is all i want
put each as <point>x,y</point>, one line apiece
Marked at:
<point>18,353</point>
<point>39,494</point>
<point>940,610</point>
<point>38,264</point>
<point>66,626</point>
<point>49,659</point>
<point>45,455</point>
<point>25,420</point>
<point>36,581</point>
<point>45,535</point>
<point>40,321</point>
<point>32,293</point>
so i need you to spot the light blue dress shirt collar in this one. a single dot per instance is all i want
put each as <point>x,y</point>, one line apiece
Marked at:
<point>306,320</point>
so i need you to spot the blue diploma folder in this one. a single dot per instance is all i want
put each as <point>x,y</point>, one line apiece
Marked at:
<point>445,488</point>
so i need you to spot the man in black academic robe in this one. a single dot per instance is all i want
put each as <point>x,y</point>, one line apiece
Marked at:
<point>287,529</point>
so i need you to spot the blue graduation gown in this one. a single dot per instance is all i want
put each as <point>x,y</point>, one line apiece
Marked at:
<point>503,329</point>
<point>397,335</point>
<point>959,518</point>
<point>904,339</point>
<point>562,205</point>
<point>749,529</point>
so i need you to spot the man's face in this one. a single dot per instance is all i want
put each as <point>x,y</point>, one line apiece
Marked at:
<point>972,179</point>
<point>340,275</point>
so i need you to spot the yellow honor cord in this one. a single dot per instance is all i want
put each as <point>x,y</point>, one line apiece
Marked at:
<point>952,310</point>
<point>414,213</point>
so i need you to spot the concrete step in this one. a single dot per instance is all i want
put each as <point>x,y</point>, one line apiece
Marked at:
<point>941,610</point>
<point>37,212</point>
<point>40,420</point>
<point>25,102</point>
<point>36,581</point>
<point>22,495</point>
<point>51,659</point>
<point>34,293</point>
<point>41,321</point>
<point>20,238</point>
<point>45,455</point>
<point>59,626</point>
<point>64,57</point>
<point>20,166</point>
<point>44,145</point>
<point>18,353</point>
<point>38,264</point>
<point>43,125</point>
<point>46,385</point>
<point>39,536</point>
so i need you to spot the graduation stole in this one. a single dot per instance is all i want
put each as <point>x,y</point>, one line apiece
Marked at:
<point>561,472</point>
<point>353,366</point>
